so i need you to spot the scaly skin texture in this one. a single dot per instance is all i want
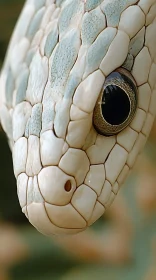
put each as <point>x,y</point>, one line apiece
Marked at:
<point>59,57</point>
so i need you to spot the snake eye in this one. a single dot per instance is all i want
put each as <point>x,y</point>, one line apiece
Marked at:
<point>117,103</point>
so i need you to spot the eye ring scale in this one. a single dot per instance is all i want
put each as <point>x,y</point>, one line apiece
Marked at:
<point>117,103</point>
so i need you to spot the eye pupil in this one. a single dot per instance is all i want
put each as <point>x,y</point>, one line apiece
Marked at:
<point>115,105</point>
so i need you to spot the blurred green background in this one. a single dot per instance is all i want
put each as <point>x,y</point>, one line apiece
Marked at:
<point>120,246</point>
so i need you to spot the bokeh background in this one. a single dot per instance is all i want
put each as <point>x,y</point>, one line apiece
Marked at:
<point>121,245</point>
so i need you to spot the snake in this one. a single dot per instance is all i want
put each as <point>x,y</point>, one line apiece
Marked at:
<point>77,103</point>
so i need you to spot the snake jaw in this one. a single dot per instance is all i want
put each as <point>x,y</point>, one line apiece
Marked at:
<point>58,61</point>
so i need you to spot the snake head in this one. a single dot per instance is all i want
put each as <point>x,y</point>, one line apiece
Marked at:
<point>80,101</point>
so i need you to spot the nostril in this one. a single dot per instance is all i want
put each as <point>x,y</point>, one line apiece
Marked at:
<point>68,186</point>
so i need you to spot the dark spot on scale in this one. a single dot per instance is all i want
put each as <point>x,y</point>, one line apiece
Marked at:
<point>68,186</point>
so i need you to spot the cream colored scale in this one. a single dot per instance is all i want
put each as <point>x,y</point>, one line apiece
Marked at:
<point>77,102</point>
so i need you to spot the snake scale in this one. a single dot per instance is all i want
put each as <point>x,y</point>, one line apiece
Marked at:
<point>77,102</point>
